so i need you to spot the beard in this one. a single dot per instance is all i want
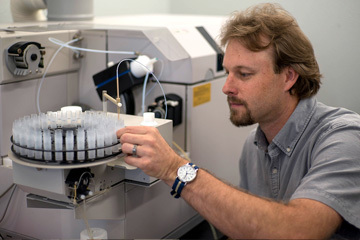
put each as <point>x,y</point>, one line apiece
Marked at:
<point>238,119</point>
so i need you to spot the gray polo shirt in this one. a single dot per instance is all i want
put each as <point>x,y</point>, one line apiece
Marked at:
<point>316,155</point>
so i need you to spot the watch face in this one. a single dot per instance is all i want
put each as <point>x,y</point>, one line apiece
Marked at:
<point>186,173</point>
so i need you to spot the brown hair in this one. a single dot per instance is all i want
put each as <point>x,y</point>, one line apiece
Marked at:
<point>291,46</point>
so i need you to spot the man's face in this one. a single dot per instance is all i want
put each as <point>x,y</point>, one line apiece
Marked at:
<point>254,91</point>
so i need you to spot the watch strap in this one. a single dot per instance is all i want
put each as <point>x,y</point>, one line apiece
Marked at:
<point>177,188</point>
<point>179,185</point>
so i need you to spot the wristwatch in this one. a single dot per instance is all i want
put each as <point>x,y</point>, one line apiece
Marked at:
<point>185,174</point>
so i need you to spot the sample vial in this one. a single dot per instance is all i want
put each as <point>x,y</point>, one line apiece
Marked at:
<point>69,143</point>
<point>100,142</point>
<point>47,144</point>
<point>91,141</point>
<point>38,144</point>
<point>58,145</point>
<point>80,144</point>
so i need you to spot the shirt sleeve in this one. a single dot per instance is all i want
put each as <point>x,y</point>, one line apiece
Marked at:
<point>334,175</point>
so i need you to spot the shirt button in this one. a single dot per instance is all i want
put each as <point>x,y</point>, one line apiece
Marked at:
<point>288,149</point>
<point>274,171</point>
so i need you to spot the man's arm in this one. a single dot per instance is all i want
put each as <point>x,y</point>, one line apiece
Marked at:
<point>235,213</point>
<point>241,215</point>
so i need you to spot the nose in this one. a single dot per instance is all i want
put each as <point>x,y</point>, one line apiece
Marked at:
<point>228,87</point>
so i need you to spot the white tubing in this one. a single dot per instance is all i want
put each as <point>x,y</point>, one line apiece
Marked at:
<point>143,94</point>
<point>60,43</point>
<point>148,70</point>
<point>44,75</point>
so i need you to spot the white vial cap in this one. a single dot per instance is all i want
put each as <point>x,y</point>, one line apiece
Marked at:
<point>149,119</point>
<point>71,109</point>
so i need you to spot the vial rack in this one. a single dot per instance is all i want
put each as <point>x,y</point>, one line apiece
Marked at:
<point>69,136</point>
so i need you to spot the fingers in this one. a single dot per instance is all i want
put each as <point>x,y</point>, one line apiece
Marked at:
<point>144,158</point>
<point>134,150</point>
<point>154,156</point>
<point>129,149</point>
<point>137,135</point>
<point>133,130</point>
<point>135,161</point>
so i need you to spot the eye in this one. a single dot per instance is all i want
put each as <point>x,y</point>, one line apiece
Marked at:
<point>244,75</point>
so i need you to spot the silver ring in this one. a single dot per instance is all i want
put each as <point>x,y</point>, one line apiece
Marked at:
<point>134,150</point>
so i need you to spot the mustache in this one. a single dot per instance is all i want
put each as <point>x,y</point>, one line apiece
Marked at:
<point>236,100</point>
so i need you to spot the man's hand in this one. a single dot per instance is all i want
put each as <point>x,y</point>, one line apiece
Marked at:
<point>154,155</point>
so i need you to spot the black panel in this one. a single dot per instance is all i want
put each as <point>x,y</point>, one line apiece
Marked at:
<point>211,41</point>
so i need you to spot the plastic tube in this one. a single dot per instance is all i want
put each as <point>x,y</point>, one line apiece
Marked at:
<point>43,121</point>
<point>159,76</point>
<point>143,93</point>
<point>16,135</point>
<point>60,43</point>
<point>47,68</point>
<point>23,137</point>
<point>69,143</point>
<point>90,137</point>
<point>108,140</point>
<point>30,142</point>
<point>38,144</point>
<point>58,145</point>
<point>148,70</point>
<point>47,144</point>
<point>119,123</point>
<point>80,143</point>
<point>100,142</point>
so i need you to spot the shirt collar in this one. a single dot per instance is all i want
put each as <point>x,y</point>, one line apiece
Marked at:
<point>291,132</point>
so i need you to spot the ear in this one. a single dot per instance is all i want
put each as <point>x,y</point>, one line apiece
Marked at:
<point>291,76</point>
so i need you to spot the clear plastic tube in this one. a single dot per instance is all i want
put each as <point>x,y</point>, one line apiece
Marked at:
<point>69,143</point>
<point>58,145</point>
<point>47,144</point>
<point>23,137</point>
<point>38,144</point>
<point>43,121</point>
<point>100,142</point>
<point>90,137</point>
<point>16,135</point>
<point>148,70</point>
<point>46,70</point>
<point>60,43</point>
<point>143,93</point>
<point>80,143</point>
<point>30,141</point>
<point>107,140</point>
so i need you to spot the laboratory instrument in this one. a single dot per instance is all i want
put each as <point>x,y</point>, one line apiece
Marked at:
<point>70,183</point>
